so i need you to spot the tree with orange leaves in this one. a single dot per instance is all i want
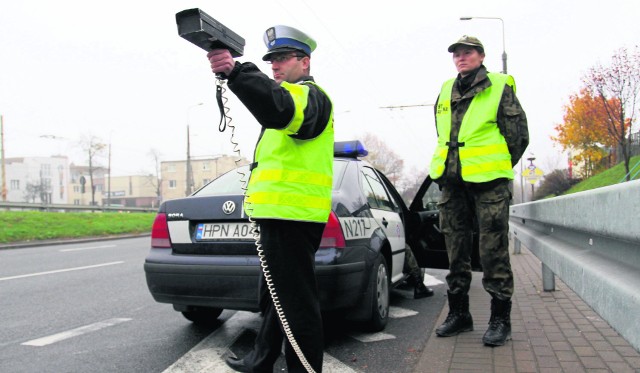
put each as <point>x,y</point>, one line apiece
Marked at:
<point>585,130</point>
<point>617,86</point>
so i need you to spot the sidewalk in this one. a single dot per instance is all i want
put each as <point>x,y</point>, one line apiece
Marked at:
<point>552,332</point>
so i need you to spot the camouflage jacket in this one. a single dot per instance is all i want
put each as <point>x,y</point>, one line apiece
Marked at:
<point>512,122</point>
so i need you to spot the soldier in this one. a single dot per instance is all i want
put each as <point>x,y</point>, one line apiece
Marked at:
<point>482,134</point>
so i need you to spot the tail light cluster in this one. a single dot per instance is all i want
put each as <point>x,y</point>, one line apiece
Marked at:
<point>332,235</point>
<point>160,232</point>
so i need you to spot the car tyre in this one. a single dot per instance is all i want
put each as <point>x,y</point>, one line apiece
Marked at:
<point>202,315</point>
<point>379,286</point>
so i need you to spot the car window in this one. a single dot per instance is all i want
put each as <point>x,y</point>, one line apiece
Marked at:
<point>374,191</point>
<point>229,183</point>
<point>338,170</point>
<point>235,180</point>
<point>431,197</point>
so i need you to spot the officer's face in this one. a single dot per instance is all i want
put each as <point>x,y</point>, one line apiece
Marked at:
<point>289,67</point>
<point>467,59</point>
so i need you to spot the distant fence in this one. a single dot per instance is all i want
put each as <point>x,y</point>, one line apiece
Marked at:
<point>71,208</point>
<point>591,240</point>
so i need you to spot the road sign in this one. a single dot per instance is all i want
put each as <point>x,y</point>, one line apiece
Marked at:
<point>533,174</point>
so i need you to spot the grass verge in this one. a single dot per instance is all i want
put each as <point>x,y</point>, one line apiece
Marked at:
<point>17,226</point>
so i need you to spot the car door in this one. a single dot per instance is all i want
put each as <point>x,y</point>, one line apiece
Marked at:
<point>386,213</point>
<point>424,234</point>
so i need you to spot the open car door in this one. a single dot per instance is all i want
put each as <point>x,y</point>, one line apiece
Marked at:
<point>425,236</point>
<point>424,232</point>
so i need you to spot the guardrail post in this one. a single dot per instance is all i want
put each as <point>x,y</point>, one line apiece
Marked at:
<point>548,279</point>
<point>516,246</point>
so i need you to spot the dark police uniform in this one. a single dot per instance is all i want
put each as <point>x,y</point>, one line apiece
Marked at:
<point>289,195</point>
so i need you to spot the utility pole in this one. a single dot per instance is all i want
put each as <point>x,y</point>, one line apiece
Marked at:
<point>109,181</point>
<point>189,170</point>
<point>4,175</point>
<point>189,181</point>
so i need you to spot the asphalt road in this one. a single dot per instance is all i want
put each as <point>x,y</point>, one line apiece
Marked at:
<point>85,307</point>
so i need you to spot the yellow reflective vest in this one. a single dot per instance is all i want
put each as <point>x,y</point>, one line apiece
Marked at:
<point>484,155</point>
<point>293,177</point>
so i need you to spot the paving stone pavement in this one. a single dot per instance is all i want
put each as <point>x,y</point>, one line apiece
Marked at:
<point>552,332</point>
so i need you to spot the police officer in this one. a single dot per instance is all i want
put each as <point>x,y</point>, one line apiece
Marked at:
<point>289,194</point>
<point>482,133</point>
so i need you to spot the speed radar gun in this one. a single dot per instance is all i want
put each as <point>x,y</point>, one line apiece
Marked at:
<point>202,30</point>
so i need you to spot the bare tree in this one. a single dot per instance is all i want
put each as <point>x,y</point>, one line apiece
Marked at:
<point>383,158</point>
<point>410,183</point>
<point>93,147</point>
<point>36,190</point>
<point>619,81</point>
<point>154,179</point>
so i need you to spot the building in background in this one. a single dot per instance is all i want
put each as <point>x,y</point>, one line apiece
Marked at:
<point>131,191</point>
<point>37,179</point>
<point>80,185</point>
<point>53,180</point>
<point>203,170</point>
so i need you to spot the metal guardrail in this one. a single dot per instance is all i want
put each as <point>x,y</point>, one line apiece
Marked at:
<point>590,240</point>
<point>65,208</point>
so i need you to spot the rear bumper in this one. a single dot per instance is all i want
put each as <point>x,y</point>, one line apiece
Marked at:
<point>232,282</point>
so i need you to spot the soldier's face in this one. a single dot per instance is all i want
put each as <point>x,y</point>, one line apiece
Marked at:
<point>467,59</point>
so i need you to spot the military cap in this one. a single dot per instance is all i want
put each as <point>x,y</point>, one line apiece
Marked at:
<point>467,40</point>
<point>280,39</point>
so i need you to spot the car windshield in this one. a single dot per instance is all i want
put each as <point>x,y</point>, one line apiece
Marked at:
<point>234,181</point>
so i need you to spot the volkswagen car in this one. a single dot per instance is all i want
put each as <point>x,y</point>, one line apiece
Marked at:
<point>203,256</point>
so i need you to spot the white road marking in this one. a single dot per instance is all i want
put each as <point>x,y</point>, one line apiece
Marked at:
<point>209,354</point>
<point>74,332</point>
<point>398,313</point>
<point>59,271</point>
<point>371,337</point>
<point>86,248</point>
<point>431,281</point>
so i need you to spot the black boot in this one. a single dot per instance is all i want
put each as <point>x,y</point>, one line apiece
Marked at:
<point>499,331</point>
<point>421,291</point>
<point>459,319</point>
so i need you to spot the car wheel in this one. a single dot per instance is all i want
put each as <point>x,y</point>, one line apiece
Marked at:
<point>202,315</point>
<point>379,286</point>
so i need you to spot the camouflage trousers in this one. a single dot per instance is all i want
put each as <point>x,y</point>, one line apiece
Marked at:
<point>412,269</point>
<point>461,206</point>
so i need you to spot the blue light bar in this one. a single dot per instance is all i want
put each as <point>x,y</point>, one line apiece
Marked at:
<point>351,149</point>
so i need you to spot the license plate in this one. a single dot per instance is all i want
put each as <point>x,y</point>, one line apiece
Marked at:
<point>223,231</point>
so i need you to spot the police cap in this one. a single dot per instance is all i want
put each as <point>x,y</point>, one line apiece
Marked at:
<point>280,39</point>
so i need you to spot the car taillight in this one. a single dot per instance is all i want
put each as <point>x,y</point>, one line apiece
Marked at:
<point>160,232</point>
<point>332,235</point>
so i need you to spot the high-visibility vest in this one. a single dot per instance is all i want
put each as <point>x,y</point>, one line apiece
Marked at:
<point>293,178</point>
<point>484,155</point>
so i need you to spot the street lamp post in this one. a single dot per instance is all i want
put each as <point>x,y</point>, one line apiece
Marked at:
<point>532,167</point>
<point>504,71</point>
<point>504,49</point>
<point>189,180</point>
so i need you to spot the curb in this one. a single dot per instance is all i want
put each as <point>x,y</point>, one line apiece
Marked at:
<point>63,241</point>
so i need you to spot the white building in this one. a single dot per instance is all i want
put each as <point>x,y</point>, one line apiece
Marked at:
<point>37,179</point>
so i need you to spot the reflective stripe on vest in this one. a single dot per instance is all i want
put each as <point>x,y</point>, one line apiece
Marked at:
<point>293,178</point>
<point>484,155</point>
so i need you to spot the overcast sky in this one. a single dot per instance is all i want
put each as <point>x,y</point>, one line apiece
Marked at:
<point>118,70</point>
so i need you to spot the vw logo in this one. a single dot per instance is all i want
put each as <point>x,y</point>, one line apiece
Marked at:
<point>229,207</point>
